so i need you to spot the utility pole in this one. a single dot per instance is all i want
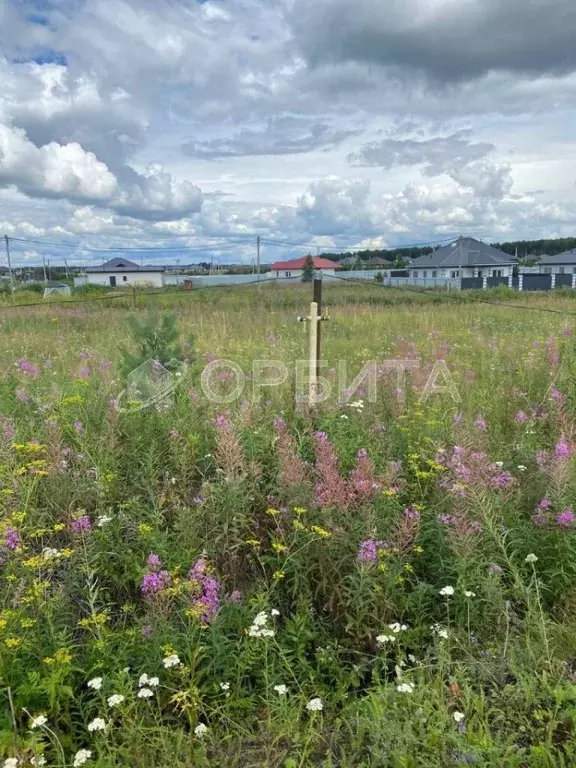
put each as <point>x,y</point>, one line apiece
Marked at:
<point>44,269</point>
<point>67,270</point>
<point>258,257</point>
<point>7,241</point>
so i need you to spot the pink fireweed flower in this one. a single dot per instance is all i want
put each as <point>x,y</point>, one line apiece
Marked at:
<point>153,563</point>
<point>480,424</point>
<point>565,518</point>
<point>369,549</point>
<point>205,590</point>
<point>562,449</point>
<point>81,524</point>
<point>520,417</point>
<point>28,368</point>
<point>12,539</point>
<point>221,421</point>
<point>154,583</point>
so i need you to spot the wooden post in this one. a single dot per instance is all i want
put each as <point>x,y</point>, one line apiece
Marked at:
<point>313,354</point>
<point>317,299</point>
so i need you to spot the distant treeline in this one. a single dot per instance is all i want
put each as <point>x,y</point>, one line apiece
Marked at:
<point>394,254</point>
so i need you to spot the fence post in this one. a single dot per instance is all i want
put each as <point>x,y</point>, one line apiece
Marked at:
<point>510,279</point>
<point>573,279</point>
<point>553,280</point>
<point>520,281</point>
<point>484,282</point>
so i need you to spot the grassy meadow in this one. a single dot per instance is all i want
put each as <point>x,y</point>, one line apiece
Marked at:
<point>248,583</point>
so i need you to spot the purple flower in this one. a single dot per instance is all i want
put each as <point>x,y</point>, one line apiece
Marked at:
<point>520,417</point>
<point>539,518</point>
<point>221,421</point>
<point>207,591</point>
<point>320,436</point>
<point>153,583</point>
<point>279,424</point>
<point>235,597</point>
<point>448,519</point>
<point>542,458</point>
<point>12,539</point>
<point>411,514</point>
<point>78,426</point>
<point>84,372</point>
<point>480,424</point>
<point>199,500</point>
<point>8,430</point>
<point>22,396</point>
<point>565,518</point>
<point>562,449</point>
<point>368,551</point>
<point>153,563</point>
<point>174,434</point>
<point>457,418</point>
<point>81,524</point>
<point>545,504</point>
<point>28,368</point>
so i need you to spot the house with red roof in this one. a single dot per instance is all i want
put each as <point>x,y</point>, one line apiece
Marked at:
<point>295,267</point>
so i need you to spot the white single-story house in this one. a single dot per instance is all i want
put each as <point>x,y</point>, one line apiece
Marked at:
<point>561,264</point>
<point>120,272</point>
<point>465,257</point>
<point>295,267</point>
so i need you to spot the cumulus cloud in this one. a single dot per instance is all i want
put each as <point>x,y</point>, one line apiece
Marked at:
<point>449,40</point>
<point>280,136</point>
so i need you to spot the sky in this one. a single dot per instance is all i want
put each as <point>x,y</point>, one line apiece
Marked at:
<point>190,128</point>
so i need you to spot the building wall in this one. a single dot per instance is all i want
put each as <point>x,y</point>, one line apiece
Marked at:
<point>297,272</point>
<point>453,273</point>
<point>557,269</point>
<point>154,279</point>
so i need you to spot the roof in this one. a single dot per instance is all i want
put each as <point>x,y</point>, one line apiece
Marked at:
<point>378,261</point>
<point>299,263</point>
<point>464,252</point>
<point>119,264</point>
<point>567,257</point>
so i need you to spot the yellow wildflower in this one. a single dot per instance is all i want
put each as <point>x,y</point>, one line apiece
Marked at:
<point>273,512</point>
<point>320,531</point>
<point>3,623</point>
<point>63,656</point>
<point>297,525</point>
<point>299,510</point>
<point>58,527</point>
<point>253,542</point>
<point>278,576</point>
<point>278,547</point>
<point>145,528</point>
<point>13,642</point>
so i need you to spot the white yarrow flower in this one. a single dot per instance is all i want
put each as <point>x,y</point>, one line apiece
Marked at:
<point>274,612</point>
<point>82,756</point>
<point>171,661</point>
<point>439,630</point>
<point>261,619</point>
<point>531,558</point>
<point>458,716</point>
<point>468,593</point>
<point>103,520</point>
<point>315,705</point>
<point>36,761</point>
<point>38,721</point>
<point>281,690</point>
<point>200,730</point>
<point>143,680</point>
<point>225,686</point>
<point>145,693</point>
<point>95,683</point>
<point>447,591</point>
<point>115,700</point>
<point>405,688</point>
<point>383,639</point>
<point>153,682</point>
<point>396,628</point>
<point>98,724</point>
<point>11,762</point>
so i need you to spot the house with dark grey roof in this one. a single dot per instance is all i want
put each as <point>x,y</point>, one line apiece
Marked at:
<point>560,264</point>
<point>464,257</point>
<point>122,272</point>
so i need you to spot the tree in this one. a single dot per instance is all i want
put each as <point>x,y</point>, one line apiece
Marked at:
<point>308,269</point>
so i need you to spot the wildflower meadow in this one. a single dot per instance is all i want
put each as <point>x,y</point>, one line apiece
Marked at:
<point>385,580</point>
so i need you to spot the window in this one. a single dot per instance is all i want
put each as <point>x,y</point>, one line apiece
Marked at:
<point>455,273</point>
<point>574,270</point>
<point>561,270</point>
<point>434,273</point>
<point>425,273</point>
<point>124,279</point>
<point>547,270</point>
<point>415,273</point>
<point>496,273</point>
<point>287,274</point>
